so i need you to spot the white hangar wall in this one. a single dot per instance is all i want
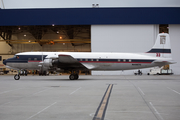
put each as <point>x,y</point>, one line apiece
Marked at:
<point>122,38</point>
<point>174,32</point>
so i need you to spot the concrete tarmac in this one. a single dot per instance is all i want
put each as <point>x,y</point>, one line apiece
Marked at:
<point>58,98</point>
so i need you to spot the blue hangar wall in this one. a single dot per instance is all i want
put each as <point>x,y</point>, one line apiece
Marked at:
<point>90,16</point>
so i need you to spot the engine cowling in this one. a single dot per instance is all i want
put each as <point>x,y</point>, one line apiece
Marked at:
<point>47,63</point>
<point>55,62</point>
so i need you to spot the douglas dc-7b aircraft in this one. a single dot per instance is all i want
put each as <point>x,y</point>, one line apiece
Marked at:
<point>73,62</point>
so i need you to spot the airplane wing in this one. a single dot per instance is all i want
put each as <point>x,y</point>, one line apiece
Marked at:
<point>68,62</point>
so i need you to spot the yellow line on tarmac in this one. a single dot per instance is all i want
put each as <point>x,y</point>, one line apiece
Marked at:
<point>100,113</point>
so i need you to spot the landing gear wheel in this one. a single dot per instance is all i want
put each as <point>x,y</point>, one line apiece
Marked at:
<point>76,76</point>
<point>73,76</point>
<point>17,77</point>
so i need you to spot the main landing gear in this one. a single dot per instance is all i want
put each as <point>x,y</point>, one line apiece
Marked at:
<point>73,76</point>
<point>22,72</point>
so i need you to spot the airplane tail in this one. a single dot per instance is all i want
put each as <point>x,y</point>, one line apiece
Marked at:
<point>162,46</point>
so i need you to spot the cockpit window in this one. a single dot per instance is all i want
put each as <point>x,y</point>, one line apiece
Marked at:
<point>16,56</point>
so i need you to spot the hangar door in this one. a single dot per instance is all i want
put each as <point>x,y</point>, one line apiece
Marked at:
<point>122,38</point>
<point>174,32</point>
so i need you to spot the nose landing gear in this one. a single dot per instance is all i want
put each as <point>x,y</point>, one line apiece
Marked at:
<point>17,77</point>
<point>22,72</point>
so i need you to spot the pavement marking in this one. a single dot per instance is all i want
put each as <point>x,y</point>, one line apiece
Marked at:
<point>42,91</point>
<point>149,105</point>
<point>173,90</point>
<point>75,91</point>
<point>156,111</point>
<point>41,111</point>
<point>101,110</point>
<point>141,91</point>
<point>10,91</point>
<point>22,97</point>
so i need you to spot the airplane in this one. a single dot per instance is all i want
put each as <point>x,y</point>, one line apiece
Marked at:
<point>73,62</point>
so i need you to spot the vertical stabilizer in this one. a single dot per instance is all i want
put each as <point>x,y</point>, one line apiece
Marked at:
<point>162,46</point>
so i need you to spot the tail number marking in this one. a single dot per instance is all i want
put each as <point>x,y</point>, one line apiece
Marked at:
<point>158,54</point>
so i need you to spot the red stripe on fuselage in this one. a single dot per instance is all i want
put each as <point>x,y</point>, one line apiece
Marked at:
<point>109,62</point>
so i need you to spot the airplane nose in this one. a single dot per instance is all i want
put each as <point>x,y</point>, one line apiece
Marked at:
<point>4,62</point>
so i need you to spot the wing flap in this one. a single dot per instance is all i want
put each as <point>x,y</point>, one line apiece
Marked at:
<point>89,66</point>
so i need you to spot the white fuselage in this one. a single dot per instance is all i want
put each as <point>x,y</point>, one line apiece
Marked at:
<point>92,60</point>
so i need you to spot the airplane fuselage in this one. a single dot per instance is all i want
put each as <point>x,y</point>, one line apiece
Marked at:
<point>73,62</point>
<point>93,60</point>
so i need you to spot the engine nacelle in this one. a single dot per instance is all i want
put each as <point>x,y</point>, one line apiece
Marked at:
<point>55,62</point>
<point>47,63</point>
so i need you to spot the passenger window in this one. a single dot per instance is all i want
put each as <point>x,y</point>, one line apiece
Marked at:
<point>124,60</point>
<point>17,57</point>
<point>97,60</point>
<point>29,58</point>
<point>35,58</point>
<point>129,60</point>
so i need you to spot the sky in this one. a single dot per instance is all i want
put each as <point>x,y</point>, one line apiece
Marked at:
<point>13,4</point>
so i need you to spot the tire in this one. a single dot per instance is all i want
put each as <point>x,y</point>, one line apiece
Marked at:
<point>76,76</point>
<point>17,77</point>
<point>72,77</point>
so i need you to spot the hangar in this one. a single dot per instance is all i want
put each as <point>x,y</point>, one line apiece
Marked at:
<point>110,28</point>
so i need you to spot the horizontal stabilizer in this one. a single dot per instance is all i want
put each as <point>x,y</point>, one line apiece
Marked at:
<point>166,62</point>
